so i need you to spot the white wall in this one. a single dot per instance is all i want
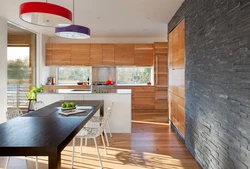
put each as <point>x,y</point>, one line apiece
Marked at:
<point>3,69</point>
<point>109,40</point>
<point>42,71</point>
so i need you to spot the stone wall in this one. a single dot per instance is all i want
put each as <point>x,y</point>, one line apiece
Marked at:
<point>217,60</point>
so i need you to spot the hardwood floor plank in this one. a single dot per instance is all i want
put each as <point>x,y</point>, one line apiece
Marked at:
<point>151,145</point>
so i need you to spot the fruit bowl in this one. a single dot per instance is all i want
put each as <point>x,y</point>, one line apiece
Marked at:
<point>68,105</point>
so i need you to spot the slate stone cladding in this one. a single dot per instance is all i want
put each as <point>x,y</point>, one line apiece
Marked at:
<point>217,65</point>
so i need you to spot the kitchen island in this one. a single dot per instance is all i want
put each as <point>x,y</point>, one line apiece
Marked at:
<point>120,120</point>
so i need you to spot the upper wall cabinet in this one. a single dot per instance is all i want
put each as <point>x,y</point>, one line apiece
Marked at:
<point>61,54</point>
<point>77,54</point>
<point>143,54</point>
<point>96,54</point>
<point>124,54</point>
<point>80,54</point>
<point>108,54</point>
<point>176,46</point>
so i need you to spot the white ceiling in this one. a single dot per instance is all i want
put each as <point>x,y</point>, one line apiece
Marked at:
<point>108,18</point>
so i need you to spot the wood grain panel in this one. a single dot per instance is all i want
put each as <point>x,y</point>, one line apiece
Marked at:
<point>124,54</point>
<point>61,54</point>
<point>144,103</point>
<point>80,54</point>
<point>49,55</point>
<point>108,54</point>
<point>178,43</point>
<point>177,110</point>
<point>96,54</point>
<point>177,77</point>
<point>144,54</point>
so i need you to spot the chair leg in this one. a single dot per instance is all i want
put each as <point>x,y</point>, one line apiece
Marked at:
<point>105,133</point>
<point>98,152</point>
<point>81,146</point>
<point>36,162</point>
<point>7,162</point>
<point>104,145</point>
<point>73,150</point>
<point>109,129</point>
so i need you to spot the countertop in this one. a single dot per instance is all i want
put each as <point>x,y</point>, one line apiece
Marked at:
<point>79,91</point>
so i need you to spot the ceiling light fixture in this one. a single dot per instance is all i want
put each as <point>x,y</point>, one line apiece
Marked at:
<point>73,31</point>
<point>45,14</point>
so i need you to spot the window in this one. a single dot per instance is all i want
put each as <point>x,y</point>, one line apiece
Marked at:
<point>19,77</point>
<point>134,75</point>
<point>70,75</point>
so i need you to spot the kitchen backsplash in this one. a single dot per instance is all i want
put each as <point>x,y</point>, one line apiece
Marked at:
<point>102,74</point>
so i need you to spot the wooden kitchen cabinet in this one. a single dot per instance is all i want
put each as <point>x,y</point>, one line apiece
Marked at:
<point>161,64</point>
<point>80,54</point>
<point>176,44</point>
<point>61,54</point>
<point>143,97</point>
<point>96,54</point>
<point>124,54</point>
<point>108,54</point>
<point>177,77</point>
<point>177,112</point>
<point>143,55</point>
<point>161,98</point>
<point>49,54</point>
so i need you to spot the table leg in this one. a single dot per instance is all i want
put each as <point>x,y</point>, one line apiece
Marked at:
<point>101,110</point>
<point>55,161</point>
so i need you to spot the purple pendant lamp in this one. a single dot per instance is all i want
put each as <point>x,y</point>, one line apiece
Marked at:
<point>73,31</point>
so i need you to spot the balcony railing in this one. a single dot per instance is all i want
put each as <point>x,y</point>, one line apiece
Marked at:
<point>16,95</point>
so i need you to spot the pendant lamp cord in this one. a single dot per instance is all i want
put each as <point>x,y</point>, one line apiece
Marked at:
<point>73,12</point>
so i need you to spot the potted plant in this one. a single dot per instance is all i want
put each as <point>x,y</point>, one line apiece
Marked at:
<point>31,96</point>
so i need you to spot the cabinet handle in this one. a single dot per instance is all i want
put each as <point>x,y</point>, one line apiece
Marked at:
<point>156,60</point>
<point>162,89</point>
<point>162,99</point>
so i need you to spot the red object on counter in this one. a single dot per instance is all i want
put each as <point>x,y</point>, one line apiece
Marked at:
<point>53,80</point>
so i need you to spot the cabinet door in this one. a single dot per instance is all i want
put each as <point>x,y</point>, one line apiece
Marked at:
<point>61,54</point>
<point>144,97</point>
<point>161,98</point>
<point>177,112</point>
<point>108,54</point>
<point>96,54</point>
<point>80,54</point>
<point>124,54</point>
<point>161,64</point>
<point>49,54</point>
<point>143,55</point>
<point>178,40</point>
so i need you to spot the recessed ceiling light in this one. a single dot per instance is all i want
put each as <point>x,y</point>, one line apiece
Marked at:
<point>148,17</point>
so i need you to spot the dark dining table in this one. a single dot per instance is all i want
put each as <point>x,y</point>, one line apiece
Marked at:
<point>45,132</point>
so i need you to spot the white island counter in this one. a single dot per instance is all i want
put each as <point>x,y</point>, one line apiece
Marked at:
<point>120,120</point>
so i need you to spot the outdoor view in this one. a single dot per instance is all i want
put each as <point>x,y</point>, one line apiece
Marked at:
<point>73,74</point>
<point>18,76</point>
<point>134,75</point>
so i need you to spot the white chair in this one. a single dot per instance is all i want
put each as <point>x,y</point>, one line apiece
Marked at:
<point>10,114</point>
<point>98,119</point>
<point>89,132</point>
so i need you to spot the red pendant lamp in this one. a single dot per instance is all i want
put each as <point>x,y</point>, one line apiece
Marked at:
<point>45,14</point>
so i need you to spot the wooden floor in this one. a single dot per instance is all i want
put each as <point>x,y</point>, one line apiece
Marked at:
<point>151,145</point>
